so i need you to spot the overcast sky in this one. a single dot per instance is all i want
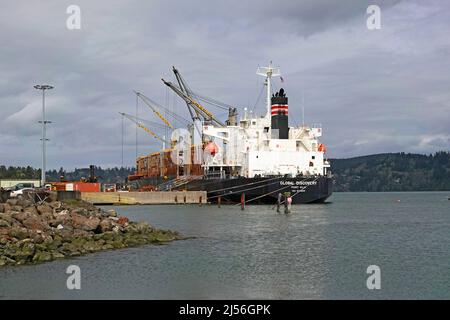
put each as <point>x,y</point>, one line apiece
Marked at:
<point>373,91</point>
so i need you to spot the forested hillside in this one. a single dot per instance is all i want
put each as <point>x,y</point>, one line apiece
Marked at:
<point>393,172</point>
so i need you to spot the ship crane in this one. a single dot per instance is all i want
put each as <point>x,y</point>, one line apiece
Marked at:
<point>148,123</point>
<point>202,111</point>
<point>138,123</point>
<point>184,88</point>
<point>152,106</point>
<point>199,110</point>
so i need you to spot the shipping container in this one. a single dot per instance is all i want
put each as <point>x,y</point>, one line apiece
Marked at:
<point>76,186</point>
<point>87,186</point>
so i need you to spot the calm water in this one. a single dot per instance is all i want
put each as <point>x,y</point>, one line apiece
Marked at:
<point>318,251</point>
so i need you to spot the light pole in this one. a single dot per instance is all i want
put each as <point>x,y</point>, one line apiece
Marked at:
<point>137,107</point>
<point>123,130</point>
<point>44,125</point>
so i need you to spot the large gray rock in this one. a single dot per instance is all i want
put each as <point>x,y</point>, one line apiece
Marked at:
<point>6,261</point>
<point>4,224</point>
<point>45,210</point>
<point>25,251</point>
<point>111,213</point>
<point>80,211</point>
<point>52,196</point>
<point>31,210</point>
<point>19,233</point>
<point>35,223</point>
<point>106,225</point>
<point>63,220</point>
<point>6,216</point>
<point>16,208</point>
<point>21,216</point>
<point>5,207</point>
<point>36,237</point>
<point>143,226</point>
<point>4,235</point>
<point>42,256</point>
<point>55,205</point>
<point>84,223</point>
<point>79,233</point>
<point>23,202</point>
<point>12,202</point>
<point>65,234</point>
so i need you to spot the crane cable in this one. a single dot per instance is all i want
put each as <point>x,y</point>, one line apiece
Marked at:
<point>155,111</point>
<point>140,125</point>
<point>152,123</point>
<point>154,104</point>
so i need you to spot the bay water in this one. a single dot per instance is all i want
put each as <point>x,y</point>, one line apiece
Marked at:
<point>318,251</point>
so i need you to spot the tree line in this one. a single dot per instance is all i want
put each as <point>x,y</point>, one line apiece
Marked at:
<point>379,172</point>
<point>108,175</point>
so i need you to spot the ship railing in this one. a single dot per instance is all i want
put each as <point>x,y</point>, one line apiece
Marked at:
<point>177,182</point>
<point>216,175</point>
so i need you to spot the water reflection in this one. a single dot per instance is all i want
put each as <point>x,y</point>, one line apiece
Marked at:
<point>317,251</point>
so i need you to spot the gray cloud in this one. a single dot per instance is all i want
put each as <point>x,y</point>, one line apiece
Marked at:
<point>373,91</point>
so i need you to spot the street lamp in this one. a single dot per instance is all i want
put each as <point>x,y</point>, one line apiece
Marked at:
<point>44,125</point>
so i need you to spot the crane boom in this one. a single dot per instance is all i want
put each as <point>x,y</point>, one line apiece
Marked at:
<point>184,88</point>
<point>155,111</point>
<point>146,122</point>
<point>140,125</point>
<point>190,101</point>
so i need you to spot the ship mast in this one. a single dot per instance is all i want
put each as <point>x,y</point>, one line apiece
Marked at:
<point>268,72</point>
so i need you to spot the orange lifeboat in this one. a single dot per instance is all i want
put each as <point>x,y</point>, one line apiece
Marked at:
<point>322,148</point>
<point>211,148</point>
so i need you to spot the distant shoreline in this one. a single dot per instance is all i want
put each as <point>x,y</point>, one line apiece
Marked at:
<point>383,172</point>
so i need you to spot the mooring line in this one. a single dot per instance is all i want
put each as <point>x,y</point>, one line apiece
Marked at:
<point>262,195</point>
<point>227,194</point>
<point>247,184</point>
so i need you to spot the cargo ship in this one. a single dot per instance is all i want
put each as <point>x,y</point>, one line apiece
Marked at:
<point>255,158</point>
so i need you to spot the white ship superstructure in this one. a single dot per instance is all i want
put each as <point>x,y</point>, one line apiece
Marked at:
<point>266,146</point>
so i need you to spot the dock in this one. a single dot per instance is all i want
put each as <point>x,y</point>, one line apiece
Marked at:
<point>154,197</point>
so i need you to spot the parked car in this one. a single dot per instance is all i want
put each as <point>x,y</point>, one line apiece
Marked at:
<point>20,186</point>
<point>16,193</point>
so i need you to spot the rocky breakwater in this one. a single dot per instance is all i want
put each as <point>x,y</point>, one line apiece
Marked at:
<point>39,232</point>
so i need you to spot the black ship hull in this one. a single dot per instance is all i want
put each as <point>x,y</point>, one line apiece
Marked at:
<point>259,190</point>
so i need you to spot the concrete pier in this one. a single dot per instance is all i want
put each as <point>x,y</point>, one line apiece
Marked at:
<point>155,197</point>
